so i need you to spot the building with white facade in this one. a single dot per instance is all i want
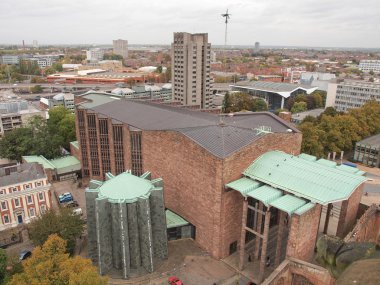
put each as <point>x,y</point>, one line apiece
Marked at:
<point>370,65</point>
<point>191,69</point>
<point>9,59</point>
<point>94,54</point>
<point>351,94</point>
<point>120,47</point>
<point>317,79</point>
<point>24,194</point>
<point>15,113</point>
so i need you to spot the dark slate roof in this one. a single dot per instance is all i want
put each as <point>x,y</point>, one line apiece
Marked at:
<point>25,172</point>
<point>220,135</point>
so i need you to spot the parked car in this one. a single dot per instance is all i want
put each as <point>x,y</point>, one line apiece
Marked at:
<point>78,211</point>
<point>71,204</point>
<point>65,197</point>
<point>175,281</point>
<point>25,254</point>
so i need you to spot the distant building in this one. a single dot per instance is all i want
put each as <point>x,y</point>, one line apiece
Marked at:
<point>257,47</point>
<point>126,223</point>
<point>35,44</point>
<point>367,151</point>
<point>317,79</point>
<point>370,65</point>
<point>24,194</point>
<point>94,54</point>
<point>274,93</point>
<point>15,113</point>
<point>10,59</point>
<point>351,94</point>
<point>120,47</point>
<point>191,69</point>
<point>299,117</point>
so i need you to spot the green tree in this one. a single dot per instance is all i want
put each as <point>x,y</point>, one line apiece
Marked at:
<point>50,264</point>
<point>312,139</point>
<point>310,102</point>
<point>299,107</point>
<point>259,105</point>
<point>300,98</point>
<point>318,99</point>
<point>16,143</point>
<point>330,111</point>
<point>227,103</point>
<point>159,69</point>
<point>63,223</point>
<point>36,89</point>
<point>289,103</point>
<point>112,56</point>
<point>3,265</point>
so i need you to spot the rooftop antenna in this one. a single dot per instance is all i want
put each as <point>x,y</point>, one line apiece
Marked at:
<point>227,16</point>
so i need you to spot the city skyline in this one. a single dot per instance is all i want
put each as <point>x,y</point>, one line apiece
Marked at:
<point>342,23</point>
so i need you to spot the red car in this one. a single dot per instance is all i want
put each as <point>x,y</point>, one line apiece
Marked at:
<point>175,281</point>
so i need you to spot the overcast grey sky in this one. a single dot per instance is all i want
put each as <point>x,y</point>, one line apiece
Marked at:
<point>331,23</point>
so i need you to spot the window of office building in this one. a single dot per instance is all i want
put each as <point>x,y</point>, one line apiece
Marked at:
<point>41,196</point>
<point>29,199</point>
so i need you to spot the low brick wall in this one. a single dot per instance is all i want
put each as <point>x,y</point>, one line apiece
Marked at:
<point>292,270</point>
<point>367,228</point>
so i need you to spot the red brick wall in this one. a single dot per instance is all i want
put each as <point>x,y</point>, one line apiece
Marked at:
<point>194,182</point>
<point>283,274</point>
<point>303,234</point>
<point>367,228</point>
<point>233,168</point>
<point>348,212</point>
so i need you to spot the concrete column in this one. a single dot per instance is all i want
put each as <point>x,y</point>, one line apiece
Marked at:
<point>264,246</point>
<point>92,245</point>
<point>124,240</point>
<point>282,102</point>
<point>159,231</point>
<point>145,234</point>
<point>104,235</point>
<point>327,219</point>
<point>116,243</point>
<point>242,237</point>
<point>280,236</point>
<point>258,229</point>
<point>134,242</point>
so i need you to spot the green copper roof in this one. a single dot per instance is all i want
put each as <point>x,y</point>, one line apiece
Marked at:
<point>307,157</point>
<point>173,220</point>
<point>288,203</point>
<point>244,185</point>
<point>317,181</point>
<point>304,208</point>
<point>39,159</point>
<point>265,194</point>
<point>66,164</point>
<point>126,188</point>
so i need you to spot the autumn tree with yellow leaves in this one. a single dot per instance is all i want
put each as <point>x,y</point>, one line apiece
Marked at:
<point>50,264</point>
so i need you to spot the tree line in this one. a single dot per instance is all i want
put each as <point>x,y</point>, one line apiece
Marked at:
<point>335,131</point>
<point>40,137</point>
<point>240,101</point>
